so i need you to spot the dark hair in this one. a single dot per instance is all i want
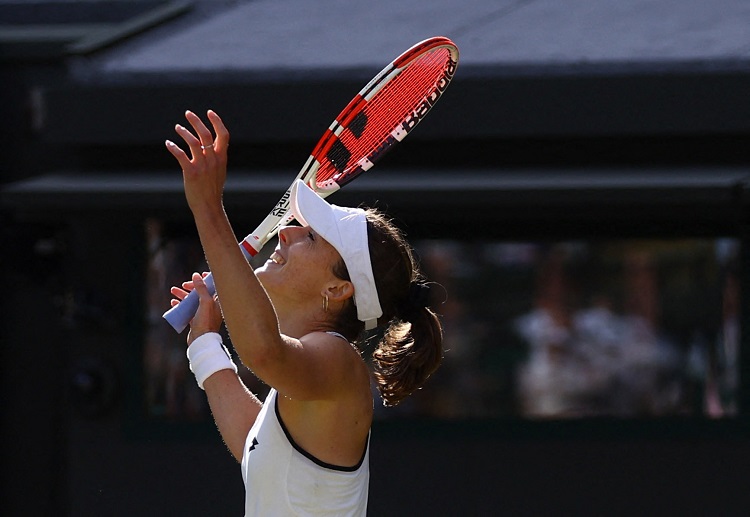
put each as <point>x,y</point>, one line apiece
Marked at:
<point>411,347</point>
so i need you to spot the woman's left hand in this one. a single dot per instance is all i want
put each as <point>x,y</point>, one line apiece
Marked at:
<point>208,318</point>
<point>204,172</point>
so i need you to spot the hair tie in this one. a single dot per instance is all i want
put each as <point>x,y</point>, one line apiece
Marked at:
<point>417,298</point>
<point>419,294</point>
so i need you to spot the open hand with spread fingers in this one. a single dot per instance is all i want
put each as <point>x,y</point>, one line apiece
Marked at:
<point>204,170</point>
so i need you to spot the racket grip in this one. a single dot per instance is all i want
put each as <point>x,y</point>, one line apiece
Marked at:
<point>180,315</point>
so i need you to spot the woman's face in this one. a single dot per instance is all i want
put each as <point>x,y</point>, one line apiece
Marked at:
<point>300,266</point>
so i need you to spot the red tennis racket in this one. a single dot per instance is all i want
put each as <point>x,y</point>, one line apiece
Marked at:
<point>379,116</point>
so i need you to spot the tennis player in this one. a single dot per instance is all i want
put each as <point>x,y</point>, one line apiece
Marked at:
<point>297,323</point>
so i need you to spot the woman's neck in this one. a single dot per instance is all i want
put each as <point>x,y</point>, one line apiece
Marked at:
<point>299,320</point>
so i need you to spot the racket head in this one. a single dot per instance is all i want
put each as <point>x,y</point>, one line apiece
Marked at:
<point>384,111</point>
<point>382,114</point>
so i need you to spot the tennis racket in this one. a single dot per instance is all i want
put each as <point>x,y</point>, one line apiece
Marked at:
<point>379,116</point>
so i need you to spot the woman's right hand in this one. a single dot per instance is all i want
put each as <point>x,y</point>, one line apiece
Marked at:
<point>204,169</point>
<point>208,318</point>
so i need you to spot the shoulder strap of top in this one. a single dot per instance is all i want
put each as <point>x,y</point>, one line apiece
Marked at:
<point>337,335</point>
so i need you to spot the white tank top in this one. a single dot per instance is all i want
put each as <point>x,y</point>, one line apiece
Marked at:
<point>282,479</point>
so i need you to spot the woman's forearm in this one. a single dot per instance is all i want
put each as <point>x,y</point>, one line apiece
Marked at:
<point>246,308</point>
<point>233,407</point>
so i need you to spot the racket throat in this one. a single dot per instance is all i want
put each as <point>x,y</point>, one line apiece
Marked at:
<point>248,249</point>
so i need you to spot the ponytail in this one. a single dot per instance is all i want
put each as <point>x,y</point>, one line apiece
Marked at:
<point>409,352</point>
<point>411,348</point>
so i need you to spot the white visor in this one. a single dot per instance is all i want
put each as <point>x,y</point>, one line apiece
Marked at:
<point>346,230</point>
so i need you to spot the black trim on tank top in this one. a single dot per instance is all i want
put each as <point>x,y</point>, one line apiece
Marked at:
<point>310,456</point>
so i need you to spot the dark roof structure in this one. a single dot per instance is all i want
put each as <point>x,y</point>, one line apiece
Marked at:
<point>528,67</point>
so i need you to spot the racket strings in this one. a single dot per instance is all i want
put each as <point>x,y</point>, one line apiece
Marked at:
<point>370,133</point>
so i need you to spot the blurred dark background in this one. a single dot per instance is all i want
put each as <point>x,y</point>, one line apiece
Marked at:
<point>567,121</point>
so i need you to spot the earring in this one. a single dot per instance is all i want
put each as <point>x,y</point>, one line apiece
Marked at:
<point>325,303</point>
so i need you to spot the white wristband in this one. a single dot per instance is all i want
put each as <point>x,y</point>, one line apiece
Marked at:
<point>207,355</point>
